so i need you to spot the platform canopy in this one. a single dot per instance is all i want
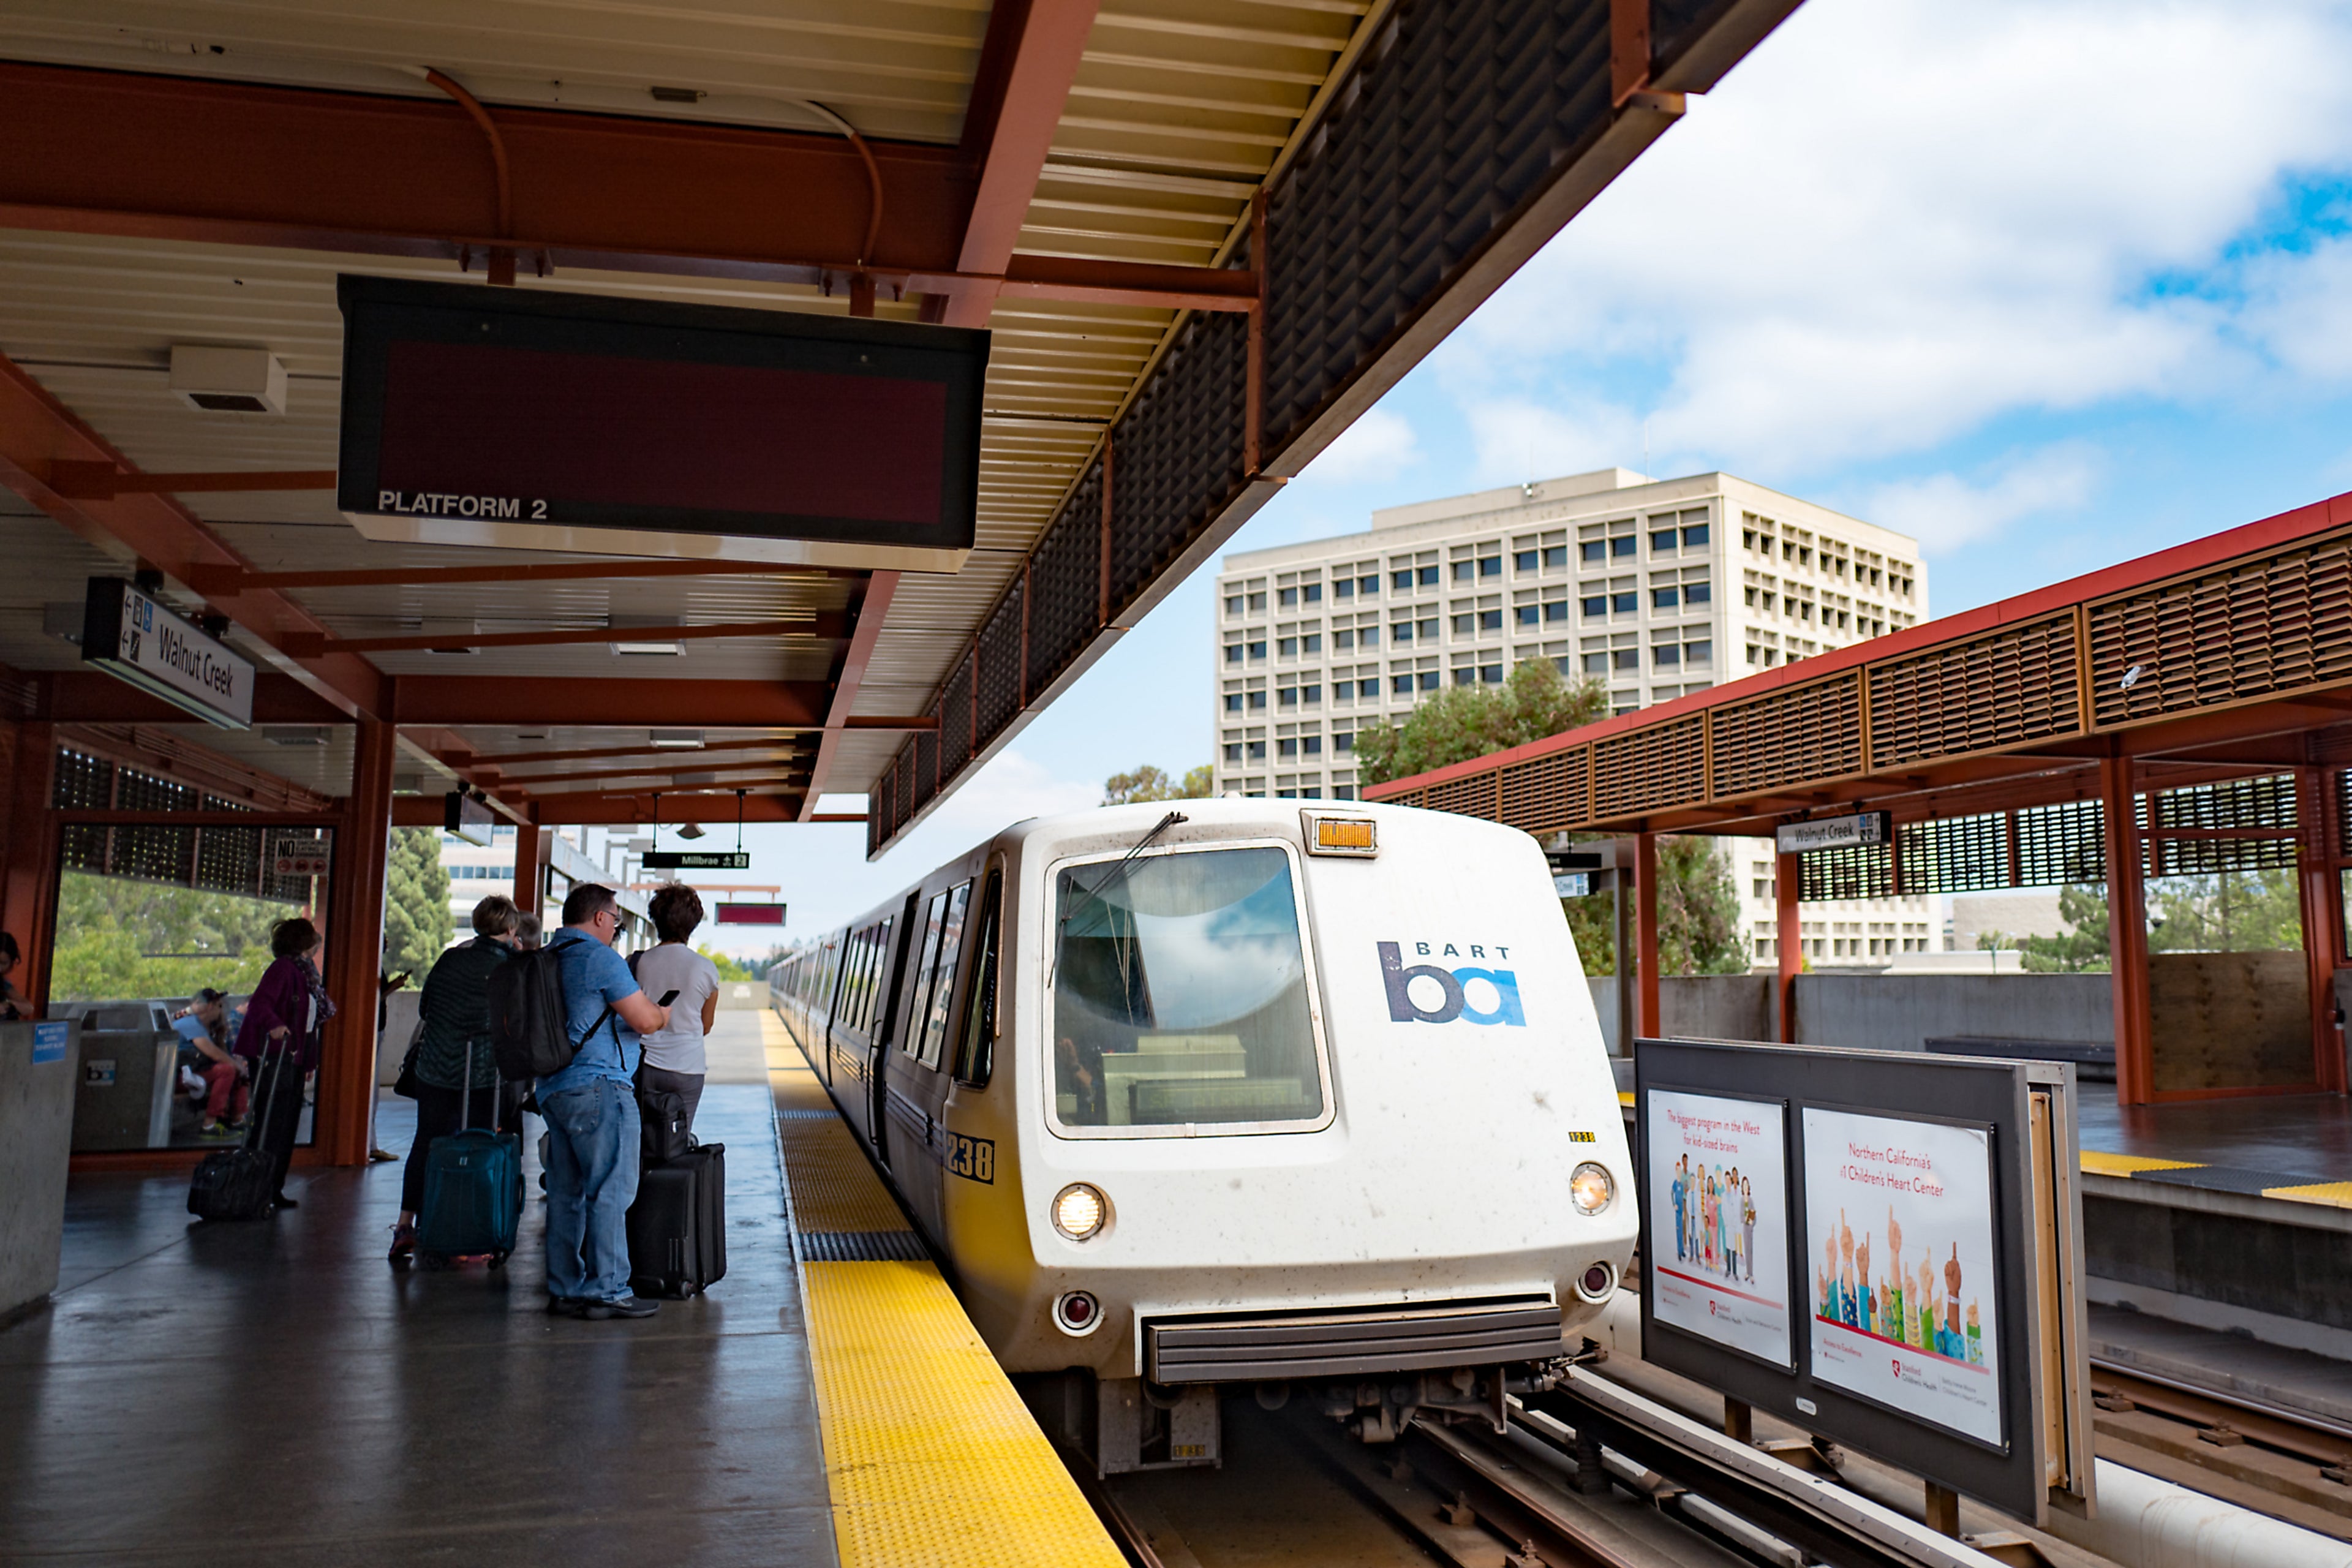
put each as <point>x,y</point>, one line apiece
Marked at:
<point>1205,236</point>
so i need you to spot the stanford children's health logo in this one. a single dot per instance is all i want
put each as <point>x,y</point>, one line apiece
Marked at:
<point>1453,995</point>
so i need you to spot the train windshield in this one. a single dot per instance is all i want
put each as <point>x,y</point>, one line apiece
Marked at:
<point>1180,995</point>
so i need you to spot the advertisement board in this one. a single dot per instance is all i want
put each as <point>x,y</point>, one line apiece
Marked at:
<point>1920,1208</point>
<point>1899,1228</point>
<point>1717,1184</point>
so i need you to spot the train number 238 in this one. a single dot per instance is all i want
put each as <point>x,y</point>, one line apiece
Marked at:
<point>973,1159</point>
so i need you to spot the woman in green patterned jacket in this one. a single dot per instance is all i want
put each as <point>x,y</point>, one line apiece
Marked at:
<point>456,1007</point>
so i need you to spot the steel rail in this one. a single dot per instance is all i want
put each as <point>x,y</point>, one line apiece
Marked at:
<point>2292,1432</point>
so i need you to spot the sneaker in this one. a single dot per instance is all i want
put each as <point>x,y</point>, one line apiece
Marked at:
<point>404,1243</point>
<point>565,1307</point>
<point>218,1129</point>
<point>626,1307</point>
<point>282,1202</point>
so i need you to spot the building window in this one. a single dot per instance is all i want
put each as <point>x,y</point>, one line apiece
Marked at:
<point>1665,598</point>
<point>1288,647</point>
<point>1313,593</point>
<point>1492,674</point>
<point>1428,628</point>
<point>1695,536</point>
<point>1429,680</point>
<point>1429,576</point>
<point>1233,604</point>
<point>1400,632</point>
<point>1257,699</point>
<point>1312,642</point>
<point>1286,597</point>
<point>1286,747</point>
<point>1287,696</point>
<point>1311,693</point>
<point>1523,561</point>
<point>1258,601</point>
<point>1233,702</point>
<point>1490,620</point>
<point>1526,615</point>
<point>1594,663</point>
<point>1556,610</point>
<point>1625,603</point>
<point>1311,744</point>
<point>1667,656</point>
<point>1462,625</point>
<point>1625,658</point>
<point>1490,567</point>
<point>1592,550</point>
<point>1369,586</point>
<point>1402,581</point>
<point>1234,752</point>
<point>1344,588</point>
<point>1400,684</point>
<point>1624,544</point>
<point>1257,751</point>
<point>1464,676</point>
<point>1697,593</point>
<point>1462,570</point>
<point>1343,639</point>
<point>1257,650</point>
<point>1596,608</point>
<point>1369,688</point>
<point>1699,652</point>
<point>1370,637</point>
<point>1555,555</point>
<point>1662,543</point>
<point>1345,740</point>
<point>1343,791</point>
<point>1233,653</point>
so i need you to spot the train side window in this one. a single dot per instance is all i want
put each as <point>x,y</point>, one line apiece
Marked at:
<point>976,1051</point>
<point>941,1007</point>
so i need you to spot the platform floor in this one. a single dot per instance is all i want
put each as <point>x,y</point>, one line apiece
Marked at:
<point>274,1393</point>
<point>2293,1148</point>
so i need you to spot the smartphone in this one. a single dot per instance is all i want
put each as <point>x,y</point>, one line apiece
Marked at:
<point>668,997</point>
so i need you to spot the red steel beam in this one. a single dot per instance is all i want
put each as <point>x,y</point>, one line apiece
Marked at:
<point>823,625</point>
<point>871,610</point>
<point>618,702</point>
<point>227,580</point>
<point>104,481</point>
<point>37,431</point>
<point>1047,38</point>
<point>176,158</point>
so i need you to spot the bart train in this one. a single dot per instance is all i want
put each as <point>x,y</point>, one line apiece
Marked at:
<point>1295,1095</point>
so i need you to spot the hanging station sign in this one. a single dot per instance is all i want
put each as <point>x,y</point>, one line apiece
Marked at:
<point>698,860</point>
<point>1922,1210</point>
<point>130,636</point>
<point>1859,830</point>
<point>462,816</point>
<point>749,915</point>
<point>536,420</point>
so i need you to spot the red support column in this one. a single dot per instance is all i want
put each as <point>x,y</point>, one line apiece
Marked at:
<point>28,854</point>
<point>1787,881</point>
<point>530,857</point>
<point>2127,938</point>
<point>344,1126</point>
<point>2323,922</point>
<point>1645,932</point>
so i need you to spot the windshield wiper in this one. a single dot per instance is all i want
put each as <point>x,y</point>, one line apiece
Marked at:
<point>1173,819</point>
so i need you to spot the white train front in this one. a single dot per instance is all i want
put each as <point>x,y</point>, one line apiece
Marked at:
<point>1299,1095</point>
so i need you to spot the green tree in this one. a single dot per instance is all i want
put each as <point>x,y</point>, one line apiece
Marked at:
<point>731,970</point>
<point>2226,911</point>
<point>2080,949</point>
<point>1149,783</point>
<point>118,939</point>
<point>1464,722</point>
<point>418,925</point>
<point>1699,916</point>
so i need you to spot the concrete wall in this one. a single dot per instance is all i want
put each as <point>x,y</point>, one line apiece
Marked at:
<point>37,1111</point>
<point>1697,1006</point>
<point>1899,1012</point>
<point>400,1022</point>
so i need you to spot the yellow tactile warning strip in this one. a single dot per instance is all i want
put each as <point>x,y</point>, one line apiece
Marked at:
<point>2099,1162</point>
<point>931,1456</point>
<point>2333,1194</point>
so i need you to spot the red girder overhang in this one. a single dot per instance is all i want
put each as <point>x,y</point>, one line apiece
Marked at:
<point>87,697</point>
<point>117,153</point>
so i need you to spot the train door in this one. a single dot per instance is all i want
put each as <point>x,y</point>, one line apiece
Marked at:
<point>918,1075</point>
<point>900,951</point>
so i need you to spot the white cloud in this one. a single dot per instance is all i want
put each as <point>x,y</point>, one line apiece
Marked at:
<point>1378,447</point>
<point>1515,438</point>
<point>1943,512</point>
<point>1900,219</point>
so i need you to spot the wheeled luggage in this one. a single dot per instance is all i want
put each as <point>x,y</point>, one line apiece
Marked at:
<point>237,1183</point>
<point>677,1227</point>
<point>473,1190</point>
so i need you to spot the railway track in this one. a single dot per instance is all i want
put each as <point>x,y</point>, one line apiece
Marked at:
<point>2287,1463</point>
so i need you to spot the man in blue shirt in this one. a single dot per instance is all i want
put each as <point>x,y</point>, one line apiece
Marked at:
<point>591,1108</point>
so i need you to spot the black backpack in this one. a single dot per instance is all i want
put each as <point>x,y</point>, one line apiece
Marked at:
<point>531,1031</point>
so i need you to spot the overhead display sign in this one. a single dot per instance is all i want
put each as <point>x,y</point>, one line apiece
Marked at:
<point>536,420</point>
<point>698,860</point>
<point>1719,1186</point>
<point>1881,1247</point>
<point>751,914</point>
<point>1859,830</point>
<point>129,635</point>
<point>464,817</point>
<point>1907,1314</point>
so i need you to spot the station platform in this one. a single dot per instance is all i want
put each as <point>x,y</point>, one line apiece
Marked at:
<point>274,1391</point>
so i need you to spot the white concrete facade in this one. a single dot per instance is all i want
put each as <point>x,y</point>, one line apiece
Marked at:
<point>1654,587</point>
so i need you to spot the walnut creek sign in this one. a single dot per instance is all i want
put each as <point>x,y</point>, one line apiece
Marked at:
<point>1861,830</point>
<point>129,635</point>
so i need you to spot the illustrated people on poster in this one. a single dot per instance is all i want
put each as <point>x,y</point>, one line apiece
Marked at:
<point>1891,1316</point>
<point>1682,1228</point>
<point>1747,1229</point>
<point>1867,1317</point>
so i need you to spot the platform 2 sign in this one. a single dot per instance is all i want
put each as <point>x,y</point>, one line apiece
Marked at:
<point>1936,1256</point>
<point>1717,1184</point>
<point>530,419</point>
<point>130,636</point>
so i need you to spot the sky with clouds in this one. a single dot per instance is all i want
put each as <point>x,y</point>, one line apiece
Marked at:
<point>2048,283</point>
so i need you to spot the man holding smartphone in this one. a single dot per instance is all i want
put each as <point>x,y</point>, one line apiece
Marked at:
<point>591,1108</point>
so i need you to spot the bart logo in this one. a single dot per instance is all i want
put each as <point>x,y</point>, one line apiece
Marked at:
<point>1398,976</point>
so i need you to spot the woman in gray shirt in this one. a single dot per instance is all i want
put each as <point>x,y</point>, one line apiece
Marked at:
<point>674,1061</point>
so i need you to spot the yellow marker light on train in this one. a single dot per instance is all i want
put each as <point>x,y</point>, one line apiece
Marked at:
<point>1079,1211</point>
<point>1340,836</point>
<point>1591,1187</point>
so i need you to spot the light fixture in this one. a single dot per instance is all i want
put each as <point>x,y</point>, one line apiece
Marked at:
<point>295,734</point>
<point>690,832</point>
<point>675,740</point>
<point>1079,1211</point>
<point>1591,1187</point>
<point>1598,1282</point>
<point>228,380</point>
<point>641,642</point>
<point>1077,1313</point>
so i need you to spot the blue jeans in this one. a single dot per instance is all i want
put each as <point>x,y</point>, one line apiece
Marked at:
<point>591,1179</point>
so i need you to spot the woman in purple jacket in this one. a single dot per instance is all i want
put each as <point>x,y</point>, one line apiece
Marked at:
<point>281,1032</point>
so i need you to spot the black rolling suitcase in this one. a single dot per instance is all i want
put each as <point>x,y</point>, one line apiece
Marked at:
<point>237,1183</point>
<point>677,1227</point>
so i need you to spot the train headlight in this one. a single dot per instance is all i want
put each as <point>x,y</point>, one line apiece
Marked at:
<point>1079,1211</point>
<point>1591,1187</point>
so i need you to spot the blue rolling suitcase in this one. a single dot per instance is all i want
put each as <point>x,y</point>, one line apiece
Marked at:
<point>473,1191</point>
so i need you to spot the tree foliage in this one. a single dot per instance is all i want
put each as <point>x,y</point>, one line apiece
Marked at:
<point>2080,949</point>
<point>1460,722</point>
<point>1149,783</point>
<point>731,970</point>
<point>417,924</point>
<point>2222,912</point>
<point>1699,916</point>
<point>118,939</point>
